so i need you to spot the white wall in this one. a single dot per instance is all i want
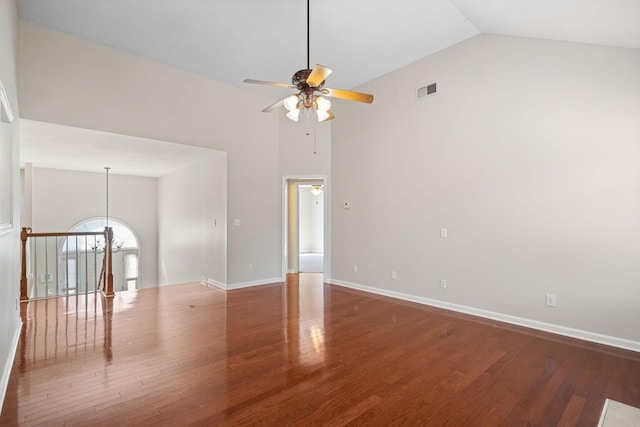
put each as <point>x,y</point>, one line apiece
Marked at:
<point>192,219</point>
<point>304,146</point>
<point>63,199</point>
<point>529,154</point>
<point>305,152</point>
<point>9,238</point>
<point>75,82</point>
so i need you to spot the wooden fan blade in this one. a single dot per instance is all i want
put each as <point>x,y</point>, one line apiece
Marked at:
<point>318,75</point>
<point>331,116</point>
<point>275,105</point>
<point>262,82</point>
<point>347,94</point>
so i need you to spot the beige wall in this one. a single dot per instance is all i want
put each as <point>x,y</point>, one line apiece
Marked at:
<point>304,146</point>
<point>305,151</point>
<point>529,155</point>
<point>9,237</point>
<point>192,222</point>
<point>70,81</point>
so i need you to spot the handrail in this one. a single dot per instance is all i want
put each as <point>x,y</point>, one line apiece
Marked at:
<point>106,275</point>
<point>63,234</point>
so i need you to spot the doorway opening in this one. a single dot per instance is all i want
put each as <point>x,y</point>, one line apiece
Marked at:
<point>304,225</point>
<point>311,228</point>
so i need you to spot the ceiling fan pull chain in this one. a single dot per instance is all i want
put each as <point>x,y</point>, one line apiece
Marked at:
<point>315,133</point>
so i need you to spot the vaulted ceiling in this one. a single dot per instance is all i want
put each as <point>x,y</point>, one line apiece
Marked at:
<point>231,40</point>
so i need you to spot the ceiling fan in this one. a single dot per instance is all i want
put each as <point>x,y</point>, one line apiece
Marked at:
<point>311,94</point>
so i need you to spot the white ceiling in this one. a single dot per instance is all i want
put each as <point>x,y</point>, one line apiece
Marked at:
<point>231,40</point>
<point>62,147</point>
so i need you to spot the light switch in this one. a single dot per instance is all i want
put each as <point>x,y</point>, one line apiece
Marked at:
<point>236,222</point>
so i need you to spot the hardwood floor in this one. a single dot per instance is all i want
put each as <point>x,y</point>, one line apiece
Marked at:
<point>300,353</point>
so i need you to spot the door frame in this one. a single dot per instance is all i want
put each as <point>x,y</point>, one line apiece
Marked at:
<point>326,218</point>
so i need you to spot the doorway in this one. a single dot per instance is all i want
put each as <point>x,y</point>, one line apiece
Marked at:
<point>305,225</point>
<point>311,227</point>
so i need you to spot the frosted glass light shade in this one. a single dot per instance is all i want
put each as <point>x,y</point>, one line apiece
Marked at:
<point>323,103</point>
<point>322,115</point>
<point>294,114</point>
<point>291,102</point>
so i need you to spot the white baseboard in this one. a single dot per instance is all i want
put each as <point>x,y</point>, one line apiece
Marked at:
<point>520,321</point>
<point>6,372</point>
<point>254,283</point>
<point>212,282</point>
<point>232,286</point>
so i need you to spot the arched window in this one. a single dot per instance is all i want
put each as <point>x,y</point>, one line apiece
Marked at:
<point>123,237</point>
<point>75,251</point>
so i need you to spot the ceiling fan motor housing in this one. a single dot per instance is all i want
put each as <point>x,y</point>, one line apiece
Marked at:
<point>299,79</point>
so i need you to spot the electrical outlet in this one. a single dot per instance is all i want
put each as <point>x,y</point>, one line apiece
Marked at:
<point>394,275</point>
<point>443,283</point>
<point>355,268</point>
<point>250,267</point>
<point>550,300</point>
<point>443,233</point>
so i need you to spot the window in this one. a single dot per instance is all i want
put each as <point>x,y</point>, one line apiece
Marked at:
<point>123,237</point>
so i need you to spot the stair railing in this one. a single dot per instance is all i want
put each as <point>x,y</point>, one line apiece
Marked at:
<point>69,264</point>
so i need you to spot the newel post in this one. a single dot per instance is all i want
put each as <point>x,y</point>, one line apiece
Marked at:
<point>108,288</point>
<point>24,235</point>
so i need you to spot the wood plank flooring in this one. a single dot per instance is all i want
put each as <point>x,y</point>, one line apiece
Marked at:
<point>301,353</point>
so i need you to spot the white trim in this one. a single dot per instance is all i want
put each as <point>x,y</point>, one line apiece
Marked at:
<point>618,414</point>
<point>603,414</point>
<point>241,285</point>
<point>212,282</point>
<point>326,182</point>
<point>6,372</point>
<point>232,286</point>
<point>515,320</point>
<point>5,106</point>
<point>4,102</point>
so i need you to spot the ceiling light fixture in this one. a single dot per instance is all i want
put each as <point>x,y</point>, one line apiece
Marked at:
<point>312,93</point>
<point>308,100</point>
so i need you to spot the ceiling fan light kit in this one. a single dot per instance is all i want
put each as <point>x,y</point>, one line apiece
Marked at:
<point>312,93</point>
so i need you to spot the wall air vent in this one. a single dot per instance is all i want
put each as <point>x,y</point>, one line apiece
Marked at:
<point>427,90</point>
